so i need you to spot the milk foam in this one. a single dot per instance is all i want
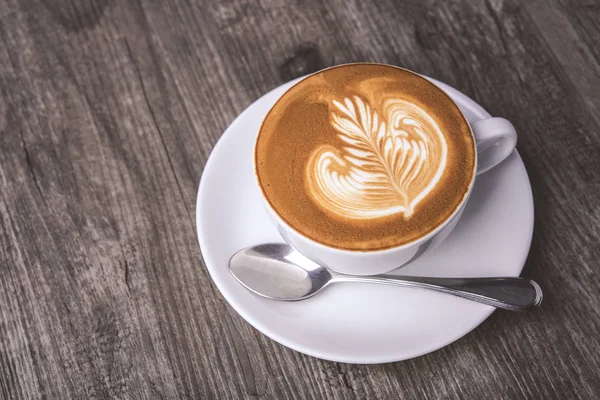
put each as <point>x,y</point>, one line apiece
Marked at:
<point>386,163</point>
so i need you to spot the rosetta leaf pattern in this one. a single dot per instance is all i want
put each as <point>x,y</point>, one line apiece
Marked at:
<point>385,165</point>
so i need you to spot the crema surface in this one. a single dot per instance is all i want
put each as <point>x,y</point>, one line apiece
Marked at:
<point>364,157</point>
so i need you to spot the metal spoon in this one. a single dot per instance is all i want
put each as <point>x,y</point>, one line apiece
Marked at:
<point>277,271</point>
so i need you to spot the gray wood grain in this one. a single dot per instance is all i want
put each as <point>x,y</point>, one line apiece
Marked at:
<point>108,112</point>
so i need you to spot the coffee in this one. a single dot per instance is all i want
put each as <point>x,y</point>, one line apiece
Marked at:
<point>364,157</point>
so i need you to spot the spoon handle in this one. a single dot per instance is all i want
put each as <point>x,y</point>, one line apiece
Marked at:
<point>510,293</point>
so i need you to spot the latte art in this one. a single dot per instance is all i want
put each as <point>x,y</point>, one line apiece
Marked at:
<point>386,163</point>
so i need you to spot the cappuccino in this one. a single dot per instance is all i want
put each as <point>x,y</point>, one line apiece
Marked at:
<point>365,157</point>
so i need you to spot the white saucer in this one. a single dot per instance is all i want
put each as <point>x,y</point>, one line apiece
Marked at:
<point>361,323</point>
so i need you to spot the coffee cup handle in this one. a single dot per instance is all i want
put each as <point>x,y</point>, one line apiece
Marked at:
<point>495,138</point>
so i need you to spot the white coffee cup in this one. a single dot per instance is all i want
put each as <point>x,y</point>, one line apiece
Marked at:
<point>495,140</point>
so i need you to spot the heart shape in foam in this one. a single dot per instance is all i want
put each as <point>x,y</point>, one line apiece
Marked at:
<point>383,166</point>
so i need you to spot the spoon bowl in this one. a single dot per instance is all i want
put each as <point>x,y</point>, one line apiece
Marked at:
<point>277,271</point>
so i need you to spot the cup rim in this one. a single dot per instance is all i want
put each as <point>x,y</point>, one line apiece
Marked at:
<point>417,241</point>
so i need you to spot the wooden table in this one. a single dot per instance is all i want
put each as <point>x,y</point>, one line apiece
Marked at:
<point>108,112</point>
